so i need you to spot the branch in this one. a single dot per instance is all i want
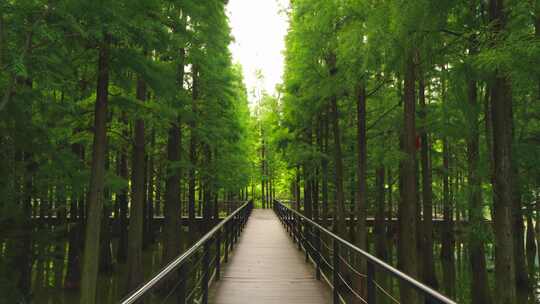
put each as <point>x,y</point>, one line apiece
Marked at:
<point>382,116</point>
<point>379,86</point>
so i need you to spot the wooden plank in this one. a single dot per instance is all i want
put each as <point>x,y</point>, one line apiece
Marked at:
<point>266,267</point>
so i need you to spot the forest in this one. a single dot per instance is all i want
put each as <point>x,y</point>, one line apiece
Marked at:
<point>409,128</point>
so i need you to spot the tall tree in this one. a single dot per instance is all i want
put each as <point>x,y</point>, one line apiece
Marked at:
<point>501,111</point>
<point>95,192</point>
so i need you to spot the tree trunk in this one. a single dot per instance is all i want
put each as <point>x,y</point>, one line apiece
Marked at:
<point>207,190</point>
<point>390,218</point>
<point>479,282</point>
<point>427,194</point>
<point>339,207</point>
<point>135,232</point>
<point>73,275</point>
<point>1,39</point>
<point>121,254</point>
<point>95,193</point>
<point>324,167</point>
<point>501,115</point>
<point>171,227</point>
<point>23,245</point>
<point>149,228</point>
<point>308,207</point>
<point>361,171</point>
<point>408,255</point>
<point>172,206</point>
<point>263,171</point>
<point>193,159</point>
<point>316,183</point>
<point>448,243</point>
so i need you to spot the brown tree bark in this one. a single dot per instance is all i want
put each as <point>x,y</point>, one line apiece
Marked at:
<point>501,111</point>
<point>408,254</point>
<point>480,292</point>
<point>150,191</point>
<point>308,183</point>
<point>95,193</point>
<point>172,206</point>
<point>339,206</point>
<point>381,240</point>
<point>324,169</point>
<point>135,231</point>
<point>73,275</point>
<point>121,254</point>
<point>531,231</point>
<point>428,268</point>
<point>263,172</point>
<point>361,170</point>
<point>193,158</point>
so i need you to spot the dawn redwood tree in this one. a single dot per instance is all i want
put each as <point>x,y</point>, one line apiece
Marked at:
<point>135,235</point>
<point>95,192</point>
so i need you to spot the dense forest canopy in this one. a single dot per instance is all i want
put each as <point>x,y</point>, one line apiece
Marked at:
<point>113,112</point>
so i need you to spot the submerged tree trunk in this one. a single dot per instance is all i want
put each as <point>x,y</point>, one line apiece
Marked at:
<point>135,232</point>
<point>73,275</point>
<point>23,245</point>
<point>95,193</point>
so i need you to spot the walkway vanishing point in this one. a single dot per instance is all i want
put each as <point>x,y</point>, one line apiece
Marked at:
<point>278,256</point>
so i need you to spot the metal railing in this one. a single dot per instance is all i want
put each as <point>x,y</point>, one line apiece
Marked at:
<point>186,278</point>
<point>354,275</point>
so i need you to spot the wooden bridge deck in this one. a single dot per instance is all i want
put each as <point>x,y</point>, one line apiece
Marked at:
<point>267,267</point>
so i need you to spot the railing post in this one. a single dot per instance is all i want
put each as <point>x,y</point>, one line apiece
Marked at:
<point>239,228</point>
<point>290,220</point>
<point>234,228</point>
<point>318,254</point>
<point>226,247</point>
<point>206,272</point>
<point>298,231</point>
<point>306,240</point>
<point>218,254</point>
<point>371,298</point>
<point>336,272</point>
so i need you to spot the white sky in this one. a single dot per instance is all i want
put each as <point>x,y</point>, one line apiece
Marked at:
<point>259,28</point>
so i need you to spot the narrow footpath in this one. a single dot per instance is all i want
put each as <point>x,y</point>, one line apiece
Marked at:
<point>267,267</point>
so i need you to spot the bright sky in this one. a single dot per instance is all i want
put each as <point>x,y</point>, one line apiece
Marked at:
<point>259,28</point>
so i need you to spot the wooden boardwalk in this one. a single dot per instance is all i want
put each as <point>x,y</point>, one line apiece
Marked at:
<point>267,267</point>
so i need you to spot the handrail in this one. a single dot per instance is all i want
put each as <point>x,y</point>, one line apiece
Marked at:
<point>241,214</point>
<point>432,294</point>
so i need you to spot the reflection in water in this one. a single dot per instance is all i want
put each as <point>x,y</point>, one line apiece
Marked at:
<point>111,287</point>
